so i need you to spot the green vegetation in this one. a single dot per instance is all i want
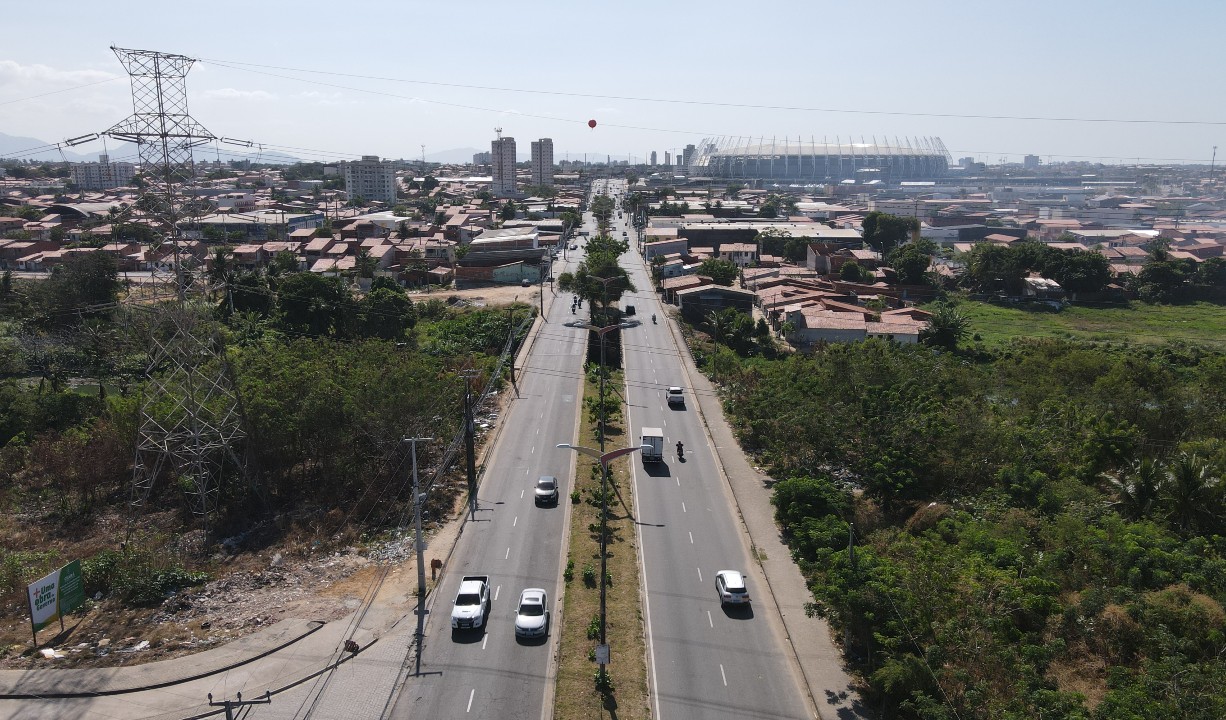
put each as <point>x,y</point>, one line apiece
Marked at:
<point>723,272</point>
<point>1038,528</point>
<point>1138,323</point>
<point>884,232</point>
<point>329,381</point>
<point>1000,268</point>
<point>599,280</point>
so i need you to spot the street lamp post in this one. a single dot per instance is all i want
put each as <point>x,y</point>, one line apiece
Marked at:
<point>604,458</point>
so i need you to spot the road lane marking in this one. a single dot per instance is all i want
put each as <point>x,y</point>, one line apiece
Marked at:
<point>678,482</point>
<point>515,521</point>
<point>691,538</point>
<point>496,590</point>
<point>508,555</point>
<point>722,675</point>
<point>683,507</point>
<point>521,493</point>
<point>699,574</point>
<point>712,622</point>
<point>470,700</point>
<point>651,648</point>
<point>487,639</point>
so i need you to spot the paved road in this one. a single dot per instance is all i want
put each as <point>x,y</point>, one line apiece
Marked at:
<point>490,673</point>
<point>707,662</point>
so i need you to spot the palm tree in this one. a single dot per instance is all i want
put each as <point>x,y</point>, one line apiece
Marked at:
<point>365,264</point>
<point>1136,487</point>
<point>947,326</point>
<point>1193,493</point>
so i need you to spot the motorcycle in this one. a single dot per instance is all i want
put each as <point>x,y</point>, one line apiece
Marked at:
<point>653,319</point>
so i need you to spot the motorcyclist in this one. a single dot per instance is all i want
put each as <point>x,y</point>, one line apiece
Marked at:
<point>680,449</point>
<point>653,318</point>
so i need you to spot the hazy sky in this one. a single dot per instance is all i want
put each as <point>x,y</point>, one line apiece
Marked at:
<point>1122,60</point>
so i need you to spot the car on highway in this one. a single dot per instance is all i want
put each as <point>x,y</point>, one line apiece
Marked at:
<point>532,614</point>
<point>676,396</point>
<point>546,490</point>
<point>730,584</point>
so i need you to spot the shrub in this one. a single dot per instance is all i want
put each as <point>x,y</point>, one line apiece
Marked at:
<point>593,628</point>
<point>589,575</point>
<point>139,577</point>
<point>569,573</point>
<point>604,683</point>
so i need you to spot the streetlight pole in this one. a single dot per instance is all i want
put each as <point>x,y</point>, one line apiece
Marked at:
<point>604,458</point>
<point>421,563</point>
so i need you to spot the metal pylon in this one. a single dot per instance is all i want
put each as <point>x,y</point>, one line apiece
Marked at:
<point>190,423</point>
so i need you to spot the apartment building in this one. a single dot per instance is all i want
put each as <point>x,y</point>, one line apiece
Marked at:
<point>371,179</point>
<point>502,157</point>
<point>102,175</point>
<point>542,162</point>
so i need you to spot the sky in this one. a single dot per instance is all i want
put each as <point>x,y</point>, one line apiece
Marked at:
<point>654,75</point>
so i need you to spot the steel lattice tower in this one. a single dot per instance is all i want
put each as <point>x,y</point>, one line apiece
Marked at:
<point>190,423</point>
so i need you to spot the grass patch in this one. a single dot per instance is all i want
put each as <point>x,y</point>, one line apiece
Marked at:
<point>1198,323</point>
<point>576,695</point>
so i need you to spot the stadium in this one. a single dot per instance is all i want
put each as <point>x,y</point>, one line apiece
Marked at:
<point>797,161</point>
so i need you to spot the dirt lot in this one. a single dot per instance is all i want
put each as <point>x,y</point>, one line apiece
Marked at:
<point>481,297</point>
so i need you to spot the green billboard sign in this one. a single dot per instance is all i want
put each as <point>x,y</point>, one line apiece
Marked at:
<point>56,595</point>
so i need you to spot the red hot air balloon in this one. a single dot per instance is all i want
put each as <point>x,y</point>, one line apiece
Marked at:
<point>591,123</point>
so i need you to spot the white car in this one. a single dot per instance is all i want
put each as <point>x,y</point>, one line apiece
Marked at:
<point>546,490</point>
<point>676,396</point>
<point>532,613</point>
<point>730,584</point>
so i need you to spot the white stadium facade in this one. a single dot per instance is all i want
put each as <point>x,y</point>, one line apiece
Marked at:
<point>797,160</point>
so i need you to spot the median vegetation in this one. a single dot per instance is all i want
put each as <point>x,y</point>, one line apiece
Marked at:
<point>581,693</point>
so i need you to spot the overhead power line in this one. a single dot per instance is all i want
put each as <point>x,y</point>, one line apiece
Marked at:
<point>715,103</point>
<point>55,92</point>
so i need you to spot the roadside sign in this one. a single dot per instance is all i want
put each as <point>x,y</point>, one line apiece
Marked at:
<point>54,596</point>
<point>602,654</point>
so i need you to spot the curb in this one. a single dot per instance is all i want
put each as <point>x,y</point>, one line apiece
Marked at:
<point>316,625</point>
<point>290,686</point>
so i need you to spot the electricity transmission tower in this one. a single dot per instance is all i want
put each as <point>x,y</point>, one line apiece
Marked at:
<point>190,423</point>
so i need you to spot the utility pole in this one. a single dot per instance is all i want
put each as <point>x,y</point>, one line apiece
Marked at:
<point>851,558</point>
<point>229,705</point>
<point>421,563</point>
<point>510,338</point>
<point>469,441</point>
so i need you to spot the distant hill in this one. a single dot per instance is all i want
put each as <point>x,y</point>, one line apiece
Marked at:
<point>454,155</point>
<point>89,152</point>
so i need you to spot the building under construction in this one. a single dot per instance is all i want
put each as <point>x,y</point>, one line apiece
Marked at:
<point>796,160</point>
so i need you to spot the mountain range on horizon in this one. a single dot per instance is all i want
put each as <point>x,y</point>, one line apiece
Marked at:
<point>21,147</point>
<point>11,145</point>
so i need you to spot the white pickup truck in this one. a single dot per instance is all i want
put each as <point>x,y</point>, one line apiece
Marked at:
<point>472,603</point>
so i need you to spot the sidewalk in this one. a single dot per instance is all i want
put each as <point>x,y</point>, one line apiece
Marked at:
<point>820,662</point>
